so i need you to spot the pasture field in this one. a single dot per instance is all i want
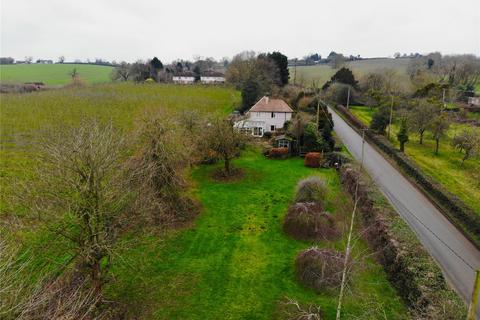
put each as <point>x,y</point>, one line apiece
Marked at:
<point>446,167</point>
<point>53,74</point>
<point>233,261</point>
<point>25,116</point>
<point>321,73</point>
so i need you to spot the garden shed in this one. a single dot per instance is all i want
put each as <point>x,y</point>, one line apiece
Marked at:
<point>282,141</point>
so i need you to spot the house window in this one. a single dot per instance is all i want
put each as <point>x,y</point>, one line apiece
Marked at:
<point>283,143</point>
<point>258,114</point>
<point>272,128</point>
<point>257,131</point>
<point>273,114</point>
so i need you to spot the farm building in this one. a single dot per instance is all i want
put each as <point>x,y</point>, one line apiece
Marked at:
<point>211,76</point>
<point>267,115</point>
<point>184,77</point>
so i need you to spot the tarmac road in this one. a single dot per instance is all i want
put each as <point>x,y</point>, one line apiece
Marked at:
<point>457,257</point>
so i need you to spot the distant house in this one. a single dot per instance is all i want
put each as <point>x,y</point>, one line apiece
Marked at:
<point>211,76</point>
<point>44,61</point>
<point>267,115</point>
<point>184,77</point>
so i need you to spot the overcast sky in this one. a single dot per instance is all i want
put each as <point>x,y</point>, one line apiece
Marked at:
<point>171,29</point>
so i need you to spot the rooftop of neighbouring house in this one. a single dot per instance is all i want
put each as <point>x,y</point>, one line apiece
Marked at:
<point>267,104</point>
<point>212,73</point>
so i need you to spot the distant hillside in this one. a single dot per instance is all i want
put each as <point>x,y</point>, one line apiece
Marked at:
<point>53,74</point>
<point>321,73</point>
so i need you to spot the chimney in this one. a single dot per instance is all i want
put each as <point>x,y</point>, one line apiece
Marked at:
<point>266,99</point>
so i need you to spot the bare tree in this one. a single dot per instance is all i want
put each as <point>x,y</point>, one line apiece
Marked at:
<point>438,128</point>
<point>421,117</point>
<point>61,59</point>
<point>159,168</point>
<point>121,72</point>
<point>223,140</point>
<point>468,142</point>
<point>80,194</point>
<point>74,74</point>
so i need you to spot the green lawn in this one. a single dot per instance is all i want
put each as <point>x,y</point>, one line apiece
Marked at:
<point>235,261</point>
<point>321,73</point>
<point>446,167</point>
<point>53,74</point>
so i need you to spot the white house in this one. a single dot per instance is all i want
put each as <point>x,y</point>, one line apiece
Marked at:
<point>184,77</point>
<point>211,76</point>
<point>267,115</point>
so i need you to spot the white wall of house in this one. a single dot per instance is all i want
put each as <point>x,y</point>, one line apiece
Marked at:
<point>275,119</point>
<point>183,79</point>
<point>212,79</point>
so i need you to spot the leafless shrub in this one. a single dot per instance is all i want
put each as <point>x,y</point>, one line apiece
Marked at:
<point>311,189</point>
<point>294,311</point>
<point>320,269</point>
<point>158,170</point>
<point>79,193</point>
<point>67,298</point>
<point>308,221</point>
<point>14,287</point>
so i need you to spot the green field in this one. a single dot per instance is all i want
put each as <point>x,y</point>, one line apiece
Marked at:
<point>53,74</point>
<point>24,116</point>
<point>234,261</point>
<point>446,167</point>
<point>321,73</point>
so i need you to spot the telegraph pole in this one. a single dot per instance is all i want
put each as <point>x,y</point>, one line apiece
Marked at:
<point>295,72</point>
<point>318,110</point>
<point>349,239</point>
<point>443,99</point>
<point>348,97</point>
<point>472,310</point>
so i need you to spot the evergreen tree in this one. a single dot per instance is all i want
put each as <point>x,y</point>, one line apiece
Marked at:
<point>402,135</point>
<point>281,61</point>
<point>250,94</point>
<point>197,72</point>
<point>345,76</point>
<point>380,120</point>
<point>156,64</point>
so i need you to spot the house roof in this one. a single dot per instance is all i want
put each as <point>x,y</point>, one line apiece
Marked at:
<point>282,137</point>
<point>212,73</point>
<point>266,104</point>
<point>184,74</point>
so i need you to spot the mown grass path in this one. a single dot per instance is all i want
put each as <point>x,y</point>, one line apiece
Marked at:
<point>235,261</point>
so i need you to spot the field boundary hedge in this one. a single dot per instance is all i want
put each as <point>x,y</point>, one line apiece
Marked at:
<point>410,269</point>
<point>462,216</point>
